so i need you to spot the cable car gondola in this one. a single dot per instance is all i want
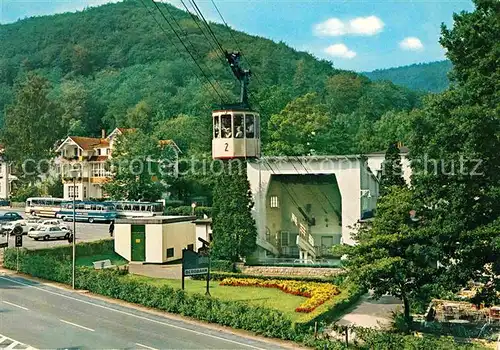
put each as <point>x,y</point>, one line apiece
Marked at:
<point>236,128</point>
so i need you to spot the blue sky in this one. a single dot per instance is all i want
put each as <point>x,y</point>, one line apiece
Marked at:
<point>360,35</point>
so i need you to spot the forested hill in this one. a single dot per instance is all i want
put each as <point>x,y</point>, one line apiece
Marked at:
<point>429,77</point>
<point>114,66</point>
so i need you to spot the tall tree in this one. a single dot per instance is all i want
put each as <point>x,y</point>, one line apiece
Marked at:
<point>141,167</point>
<point>32,126</point>
<point>391,256</point>
<point>392,173</point>
<point>234,229</point>
<point>455,147</point>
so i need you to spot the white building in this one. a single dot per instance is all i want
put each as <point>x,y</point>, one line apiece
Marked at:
<point>306,205</point>
<point>376,159</point>
<point>90,155</point>
<point>5,177</point>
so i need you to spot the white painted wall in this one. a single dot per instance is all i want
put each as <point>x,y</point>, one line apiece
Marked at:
<point>123,241</point>
<point>375,161</point>
<point>346,169</point>
<point>178,236</point>
<point>154,244</point>
<point>4,179</point>
<point>202,230</point>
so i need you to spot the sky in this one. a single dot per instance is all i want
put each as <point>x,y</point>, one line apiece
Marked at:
<point>359,35</point>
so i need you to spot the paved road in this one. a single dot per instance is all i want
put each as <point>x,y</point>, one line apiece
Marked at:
<point>45,317</point>
<point>84,232</point>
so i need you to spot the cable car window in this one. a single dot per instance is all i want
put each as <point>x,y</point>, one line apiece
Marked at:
<point>226,126</point>
<point>238,126</point>
<point>249,126</point>
<point>216,127</point>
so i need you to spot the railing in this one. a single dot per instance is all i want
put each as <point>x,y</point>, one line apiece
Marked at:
<point>296,262</point>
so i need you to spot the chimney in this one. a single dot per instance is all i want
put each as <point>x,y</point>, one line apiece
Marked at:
<point>103,133</point>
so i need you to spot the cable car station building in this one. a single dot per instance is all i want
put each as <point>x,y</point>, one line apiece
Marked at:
<point>306,205</point>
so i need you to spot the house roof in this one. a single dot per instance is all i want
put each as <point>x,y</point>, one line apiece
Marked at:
<point>86,143</point>
<point>89,143</point>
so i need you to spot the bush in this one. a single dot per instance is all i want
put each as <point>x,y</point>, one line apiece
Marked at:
<point>49,264</point>
<point>186,210</point>
<point>223,266</point>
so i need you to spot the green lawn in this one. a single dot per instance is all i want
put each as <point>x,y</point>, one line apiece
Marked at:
<point>268,297</point>
<point>87,260</point>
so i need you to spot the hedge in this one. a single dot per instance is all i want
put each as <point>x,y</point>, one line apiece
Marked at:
<point>186,210</point>
<point>47,264</point>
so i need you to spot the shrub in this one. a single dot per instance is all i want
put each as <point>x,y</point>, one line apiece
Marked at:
<point>223,266</point>
<point>186,210</point>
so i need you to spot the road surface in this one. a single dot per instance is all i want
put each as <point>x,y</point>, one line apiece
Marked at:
<point>43,317</point>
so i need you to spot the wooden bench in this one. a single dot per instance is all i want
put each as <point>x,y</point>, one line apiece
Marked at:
<point>102,264</point>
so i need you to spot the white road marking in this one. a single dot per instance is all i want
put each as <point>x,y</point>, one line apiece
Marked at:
<point>77,325</point>
<point>132,315</point>
<point>145,346</point>
<point>19,306</point>
<point>14,343</point>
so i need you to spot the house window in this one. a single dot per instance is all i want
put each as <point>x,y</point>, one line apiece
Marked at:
<point>170,252</point>
<point>84,192</point>
<point>285,242</point>
<point>274,202</point>
<point>73,191</point>
<point>191,247</point>
<point>107,151</point>
<point>98,151</point>
<point>1,168</point>
<point>99,170</point>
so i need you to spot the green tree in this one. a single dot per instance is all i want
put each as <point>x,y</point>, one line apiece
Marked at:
<point>53,187</point>
<point>234,230</point>
<point>392,173</point>
<point>391,256</point>
<point>301,128</point>
<point>140,116</point>
<point>455,146</point>
<point>141,167</point>
<point>28,120</point>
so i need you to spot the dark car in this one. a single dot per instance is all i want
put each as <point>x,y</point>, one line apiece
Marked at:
<point>10,216</point>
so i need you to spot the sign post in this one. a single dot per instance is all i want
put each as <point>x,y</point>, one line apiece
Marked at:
<point>18,231</point>
<point>196,264</point>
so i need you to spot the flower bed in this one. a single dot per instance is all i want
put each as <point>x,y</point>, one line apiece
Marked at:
<point>317,293</point>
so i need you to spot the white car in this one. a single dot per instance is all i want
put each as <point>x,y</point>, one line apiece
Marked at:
<point>47,232</point>
<point>27,225</point>
<point>52,222</point>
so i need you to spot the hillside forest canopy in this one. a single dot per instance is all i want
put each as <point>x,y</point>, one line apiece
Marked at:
<point>111,66</point>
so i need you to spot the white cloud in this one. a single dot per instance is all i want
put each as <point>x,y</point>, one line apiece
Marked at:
<point>357,26</point>
<point>411,44</point>
<point>340,50</point>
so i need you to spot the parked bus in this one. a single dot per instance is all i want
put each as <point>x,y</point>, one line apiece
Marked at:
<point>131,209</point>
<point>87,211</point>
<point>43,206</point>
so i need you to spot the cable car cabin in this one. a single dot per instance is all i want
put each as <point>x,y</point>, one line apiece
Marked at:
<point>236,134</point>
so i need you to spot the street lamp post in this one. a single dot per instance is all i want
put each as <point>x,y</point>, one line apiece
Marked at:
<point>74,174</point>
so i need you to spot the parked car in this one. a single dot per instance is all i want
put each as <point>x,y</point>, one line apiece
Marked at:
<point>10,216</point>
<point>4,202</point>
<point>27,225</point>
<point>53,222</point>
<point>50,232</point>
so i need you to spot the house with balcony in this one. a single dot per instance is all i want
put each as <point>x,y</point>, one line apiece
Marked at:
<point>89,156</point>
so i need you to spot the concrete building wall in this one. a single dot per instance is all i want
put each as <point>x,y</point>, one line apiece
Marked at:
<point>123,237</point>
<point>154,244</point>
<point>375,161</point>
<point>178,236</point>
<point>347,171</point>
<point>202,230</point>
<point>4,180</point>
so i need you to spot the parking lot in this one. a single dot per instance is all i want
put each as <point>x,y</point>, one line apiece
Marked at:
<point>85,232</point>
